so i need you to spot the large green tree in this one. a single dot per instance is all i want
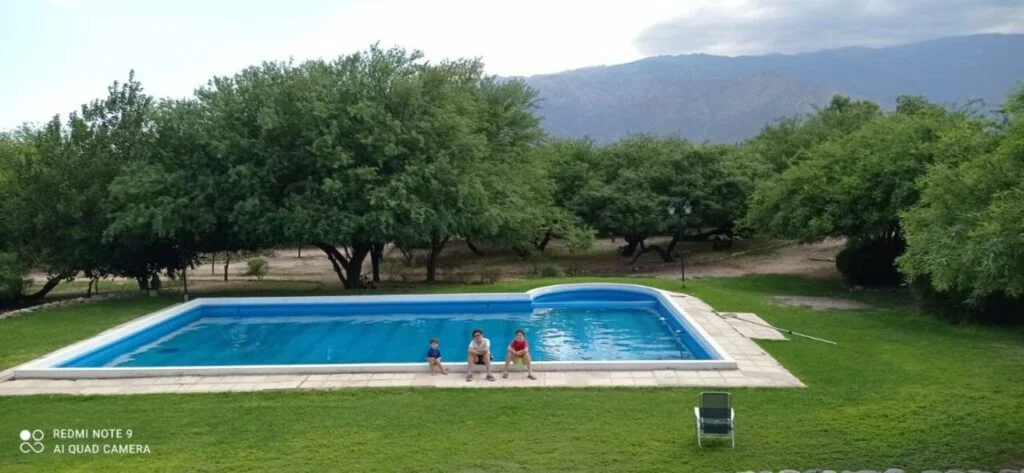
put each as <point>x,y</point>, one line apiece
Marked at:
<point>645,185</point>
<point>966,235</point>
<point>856,186</point>
<point>787,142</point>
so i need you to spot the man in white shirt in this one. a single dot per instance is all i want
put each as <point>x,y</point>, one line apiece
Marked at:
<point>479,354</point>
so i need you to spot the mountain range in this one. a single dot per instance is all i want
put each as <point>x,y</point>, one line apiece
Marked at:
<point>727,99</point>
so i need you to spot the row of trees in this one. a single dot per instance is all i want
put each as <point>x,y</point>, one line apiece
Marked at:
<point>923,194</point>
<point>381,147</point>
<point>374,148</point>
<point>344,155</point>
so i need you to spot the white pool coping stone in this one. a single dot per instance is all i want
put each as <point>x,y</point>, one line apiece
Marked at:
<point>743,362</point>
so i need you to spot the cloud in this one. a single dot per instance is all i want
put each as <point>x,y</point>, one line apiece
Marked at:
<point>789,26</point>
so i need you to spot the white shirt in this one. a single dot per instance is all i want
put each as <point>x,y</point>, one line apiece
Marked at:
<point>482,346</point>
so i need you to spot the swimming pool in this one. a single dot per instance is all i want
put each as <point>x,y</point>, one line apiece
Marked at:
<point>572,326</point>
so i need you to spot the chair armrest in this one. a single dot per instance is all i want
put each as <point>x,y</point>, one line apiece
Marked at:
<point>696,412</point>
<point>732,415</point>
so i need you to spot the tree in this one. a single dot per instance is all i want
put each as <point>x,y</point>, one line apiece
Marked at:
<point>966,234</point>
<point>633,187</point>
<point>787,142</point>
<point>438,190</point>
<point>856,186</point>
<point>304,145</point>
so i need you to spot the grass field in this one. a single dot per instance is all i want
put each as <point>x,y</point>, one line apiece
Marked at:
<point>900,390</point>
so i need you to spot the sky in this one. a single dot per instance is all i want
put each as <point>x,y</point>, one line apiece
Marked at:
<point>58,54</point>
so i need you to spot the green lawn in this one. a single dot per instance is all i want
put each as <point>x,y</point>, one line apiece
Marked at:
<point>900,390</point>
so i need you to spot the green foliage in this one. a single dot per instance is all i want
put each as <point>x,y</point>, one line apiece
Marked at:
<point>966,235</point>
<point>787,142</point>
<point>856,186</point>
<point>579,240</point>
<point>257,267</point>
<point>12,277</point>
<point>550,270</point>
<point>629,187</point>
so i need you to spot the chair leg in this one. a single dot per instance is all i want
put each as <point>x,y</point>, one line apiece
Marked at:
<point>698,435</point>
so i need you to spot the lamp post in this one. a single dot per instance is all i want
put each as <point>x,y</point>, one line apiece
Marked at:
<point>686,209</point>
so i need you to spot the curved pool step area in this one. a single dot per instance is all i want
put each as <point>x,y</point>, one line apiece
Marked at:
<point>580,335</point>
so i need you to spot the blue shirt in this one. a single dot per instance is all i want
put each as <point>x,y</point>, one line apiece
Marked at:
<point>433,353</point>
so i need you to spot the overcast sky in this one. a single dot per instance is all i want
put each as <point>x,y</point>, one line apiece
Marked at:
<point>57,54</point>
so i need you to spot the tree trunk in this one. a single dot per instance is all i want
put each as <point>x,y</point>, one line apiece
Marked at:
<point>227,262</point>
<point>473,248</point>
<point>632,243</point>
<point>376,255</point>
<point>155,283</point>
<point>672,245</point>
<point>143,283</point>
<point>543,243</point>
<point>436,246</point>
<point>407,254</point>
<point>184,281</point>
<point>213,263</point>
<point>43,291</point>
<point>349,268</point>
<point>88,289</point>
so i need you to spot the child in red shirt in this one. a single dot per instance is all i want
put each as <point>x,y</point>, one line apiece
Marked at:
<point>518,349</point>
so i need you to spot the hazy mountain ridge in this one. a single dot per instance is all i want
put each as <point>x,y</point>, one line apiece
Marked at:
<point>725,99</point>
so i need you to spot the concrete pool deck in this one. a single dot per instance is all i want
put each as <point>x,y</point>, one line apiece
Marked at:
<point>756,368</point>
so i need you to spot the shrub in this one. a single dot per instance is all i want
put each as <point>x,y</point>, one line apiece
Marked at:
<point>580,239</point>
<point>550,270</point>
<point>870,264</point>
<point>257,267</point>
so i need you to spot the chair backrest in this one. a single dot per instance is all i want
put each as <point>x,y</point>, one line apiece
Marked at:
<point>715,404</point>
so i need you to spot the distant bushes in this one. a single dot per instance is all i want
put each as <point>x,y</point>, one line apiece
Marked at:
<point>550,270</point>
<point>257,267</point>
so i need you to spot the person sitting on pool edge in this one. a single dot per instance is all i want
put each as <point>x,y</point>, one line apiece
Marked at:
<point>518,351</point>
<point>434,357</point>
<point>479,354</point>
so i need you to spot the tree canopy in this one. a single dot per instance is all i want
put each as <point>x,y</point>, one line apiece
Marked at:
<point>383,147</point>
<point>967,232</point>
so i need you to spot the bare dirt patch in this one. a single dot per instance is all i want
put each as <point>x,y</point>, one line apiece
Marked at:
<point>814,260</point>
<point>820,303</point>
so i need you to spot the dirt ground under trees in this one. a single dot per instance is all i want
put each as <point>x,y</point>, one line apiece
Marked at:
<point>461,265</point>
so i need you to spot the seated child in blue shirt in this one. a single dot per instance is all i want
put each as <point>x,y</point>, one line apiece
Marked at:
<point>434,357</point>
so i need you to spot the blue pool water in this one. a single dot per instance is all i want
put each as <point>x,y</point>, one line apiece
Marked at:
<point>564,328</point>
